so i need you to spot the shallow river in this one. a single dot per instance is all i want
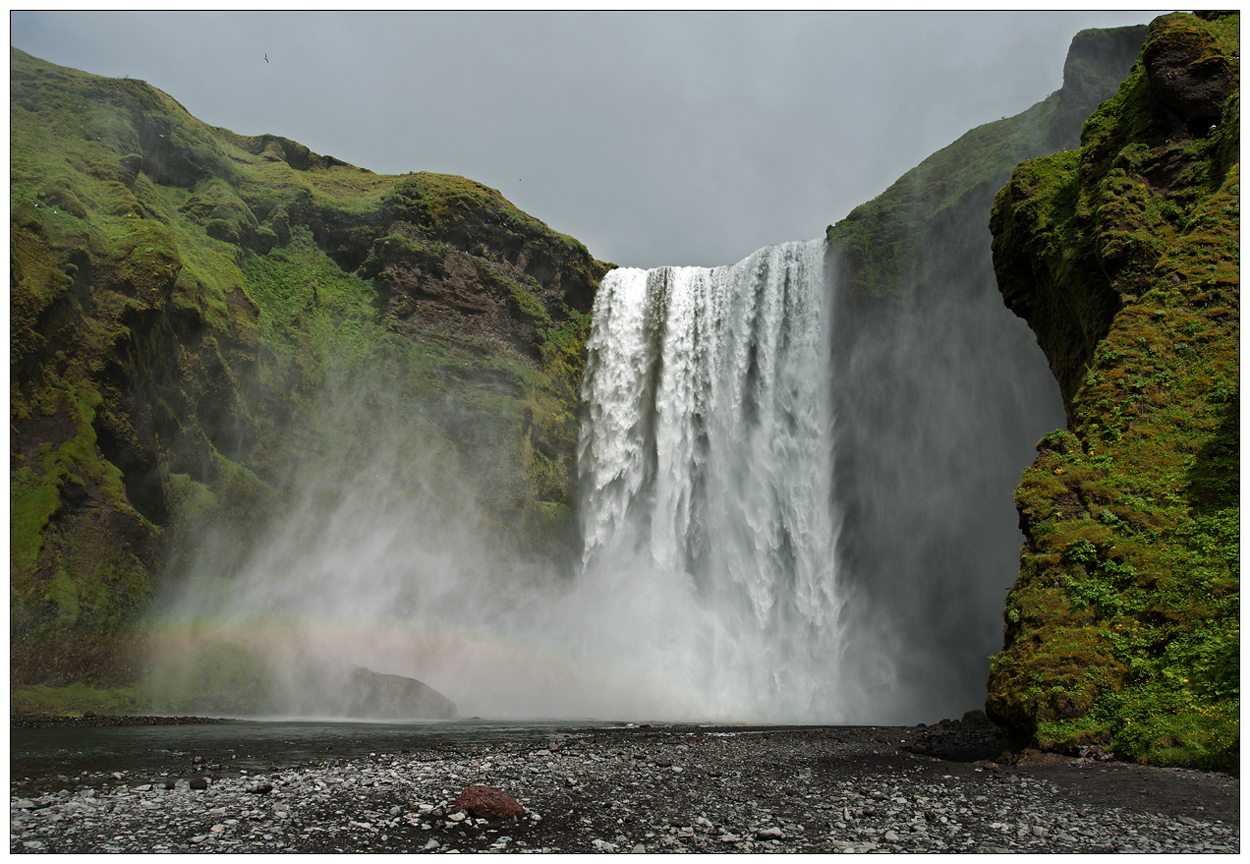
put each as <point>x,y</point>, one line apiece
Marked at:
<point>40,754</point>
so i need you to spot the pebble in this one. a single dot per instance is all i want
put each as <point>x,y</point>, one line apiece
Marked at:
<point>739,793</point>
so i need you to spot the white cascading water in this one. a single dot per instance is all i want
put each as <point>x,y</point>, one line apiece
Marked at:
<point>710,589</point>
<point>705,462</point>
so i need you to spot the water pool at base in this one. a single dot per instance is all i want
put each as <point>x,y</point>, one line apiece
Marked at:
<point>66,755</point>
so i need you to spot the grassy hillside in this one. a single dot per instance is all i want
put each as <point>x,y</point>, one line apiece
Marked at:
<point>182,301</point>
<point>1123,255</point>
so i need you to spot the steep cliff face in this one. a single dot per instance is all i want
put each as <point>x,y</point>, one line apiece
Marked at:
<point>1123,256</point>
<point>183,299</point>
<point>933,217</point>
<point>942,393</point>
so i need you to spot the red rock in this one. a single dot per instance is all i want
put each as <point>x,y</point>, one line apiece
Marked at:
<point>487,803</point>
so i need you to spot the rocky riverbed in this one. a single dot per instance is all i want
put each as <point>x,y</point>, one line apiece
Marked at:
<point>645,789</point>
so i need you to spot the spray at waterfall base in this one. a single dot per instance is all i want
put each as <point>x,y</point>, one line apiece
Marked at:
<point>715,582</point>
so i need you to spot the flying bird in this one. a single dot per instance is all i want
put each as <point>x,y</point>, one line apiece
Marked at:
<point>266,58</point>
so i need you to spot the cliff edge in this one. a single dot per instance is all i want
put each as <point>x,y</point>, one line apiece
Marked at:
<point>1122,629</point>
<point>942,393</point>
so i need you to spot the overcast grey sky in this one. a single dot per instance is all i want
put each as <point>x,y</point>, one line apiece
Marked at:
<point>654,138</point>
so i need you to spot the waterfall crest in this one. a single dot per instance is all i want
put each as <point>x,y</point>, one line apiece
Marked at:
<point>706,468</point>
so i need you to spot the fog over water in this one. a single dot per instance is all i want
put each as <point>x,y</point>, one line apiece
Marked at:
<point>940,401</point>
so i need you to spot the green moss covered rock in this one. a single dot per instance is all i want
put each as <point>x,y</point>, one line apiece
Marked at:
<point>1123,256</point>
<point>182,298</point>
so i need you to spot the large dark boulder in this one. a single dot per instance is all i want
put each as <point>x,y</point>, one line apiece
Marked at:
<point>376,695</point>
<point>1188,73</point>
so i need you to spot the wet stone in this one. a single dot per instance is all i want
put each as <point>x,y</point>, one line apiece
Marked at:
<point>895,801</point>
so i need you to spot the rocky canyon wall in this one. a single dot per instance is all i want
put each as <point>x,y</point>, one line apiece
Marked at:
<point>209,330</point>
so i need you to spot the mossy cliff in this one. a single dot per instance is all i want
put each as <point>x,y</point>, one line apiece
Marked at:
<point>182,298</point>
<point>942,393</point>
<point>1122,628</point>
<point>931,221</point>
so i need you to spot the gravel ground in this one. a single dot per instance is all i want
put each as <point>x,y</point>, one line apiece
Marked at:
<point>649,789</point>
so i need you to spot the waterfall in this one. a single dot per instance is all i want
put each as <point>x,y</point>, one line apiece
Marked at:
<point>706,467</point>
<point>708,590</point>
<point>795,508</point>
<point>788,515</point>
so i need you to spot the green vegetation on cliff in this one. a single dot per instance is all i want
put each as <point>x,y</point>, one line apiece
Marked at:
<point>1123,256</point>
<point>886,245</point>
<point>182,301</point>
<point>941,392</point>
